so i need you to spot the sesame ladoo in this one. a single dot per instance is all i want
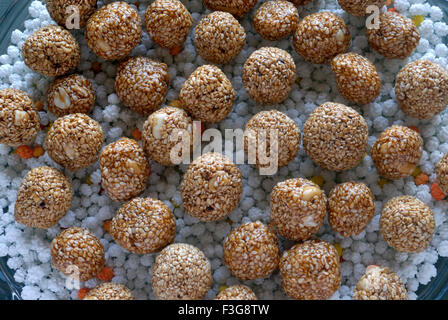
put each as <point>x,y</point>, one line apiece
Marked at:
<point>351,206</point>
<point>300,2</point>
<point>70,94</point>
<point>207,95</point>
<point>74,141</point>
<point>142,84</point>
<point>380,283</point>
<point>310,270</point>
<point>268,75</point>
<point>43,198</point>
<point>19,121</point>
<point>212,187</point>
<point>114,30</point>
<point>168,23</point>
<point>143,226</point>
<point>219,37</point>
<point>275,20</point>
<point>124,169</point>
<point>77,251</point>
<point>109,291</point>
<point>51,51</point>
<point>181,272</point>
<point>251,251</point>
<point>321,36</point>
<point>298,208</point>
<point>421,89</point>
<point>397,152</point>
<point>237,292</point>
<point>442,173</point>
<point>62,11</point>
<point>238,8</point>
<point>359,7</point>
<point>335,137</point>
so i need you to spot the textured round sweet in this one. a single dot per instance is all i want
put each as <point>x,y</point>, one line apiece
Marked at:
<point>159,132</point>
<point>70,94</point>
<point>74,141</point>
<point>310,270</point>
<point>43,198</point>
<point>77,253</point>
<point>142,84</point>
<point>397,152</point>
<point>380,283</point>
<point>63,11</point>
<point>335,137</point>
<point>442,173</point>
<point>359,7</point>
<point>268,75</point>
<point>236,292</point>
<point>109,291</point>
<point>396,36</point>
<point>219,37</point>
<point>356,78</point>
<point>207,95</point>
<point>114,30</point>
<point>168,23</point>
<point>321,36</point>
<point>181,272</point>
<point>298,208</point>
<point>421,89</point>
<point>124,169</point>
<point>285,135</point>
<point>251,251</point>
<point>300,2</point>
<point>351,206</point>
<point>51,51</point>
<point>407,224</point>
<point>19,121</point>
<point>238,8</point>
<point>212,187</point>
<point>143,226</point>
<point>276,19</point>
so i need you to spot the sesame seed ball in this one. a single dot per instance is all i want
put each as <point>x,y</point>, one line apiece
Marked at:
<point>143,225</point>
<point>114,30</point>
<point>19,121</point>
<point>421,89</point>
<point>74,141</point>
<point>238,8</point>
<point>70,94</point>
<point>407,224</point>
<point>335,137</point>
<point>356,78</point>
<point>159,132</point>
<point>168,23</point>
<point>397,151</point>
<point>76,251</point>
<point>181,272</point>
<point>276,19</point>
<point>396,38</point>
<point>268,75</point>
<point>219,37</point>
<point>208,94</point>
<point>359,7</point>
<point>51,51</point>
<point>124,169</point>
<point>298,208</point>
<point>212,187</point>
<point>142,84</point>
<point>300,2</point>
<point>320,36</point>
<point>380,283</point>
<point>251,251</point>
<point>109,291</point>
<point>351,206</point>
<point>310,270</point>
<point>237,292</point>
<point>62,11</point>
<point>261,125</point>
<point>43,198</point>
<point>442,173</point>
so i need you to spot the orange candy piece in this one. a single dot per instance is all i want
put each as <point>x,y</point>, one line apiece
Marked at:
<point>24,152</point>
<point>106,274</point>
<point>82,293</point>
<point>436,192</point>
<point>422,178</point>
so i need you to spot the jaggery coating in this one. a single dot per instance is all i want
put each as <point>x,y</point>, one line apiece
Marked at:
<point>359,7</point>
<point>238,8</point>
<point>276,19</point>
<point>64,11</point>
<point>236,292</point>
<point>109,291</point>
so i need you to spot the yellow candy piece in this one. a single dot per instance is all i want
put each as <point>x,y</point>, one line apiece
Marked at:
<point>418,20</point>
<point>318,180</point>
<point>89,181</point>
<point>416,172</point>
<point>382,182</point>
<point>338,248</point>
<point>175,205</point>
<point>38,151</point>
<point>222,288</point>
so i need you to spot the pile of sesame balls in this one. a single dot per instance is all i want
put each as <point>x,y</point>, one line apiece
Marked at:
<point>335,137</point>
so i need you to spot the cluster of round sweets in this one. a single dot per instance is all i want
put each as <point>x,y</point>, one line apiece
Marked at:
<point>334,137</point>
